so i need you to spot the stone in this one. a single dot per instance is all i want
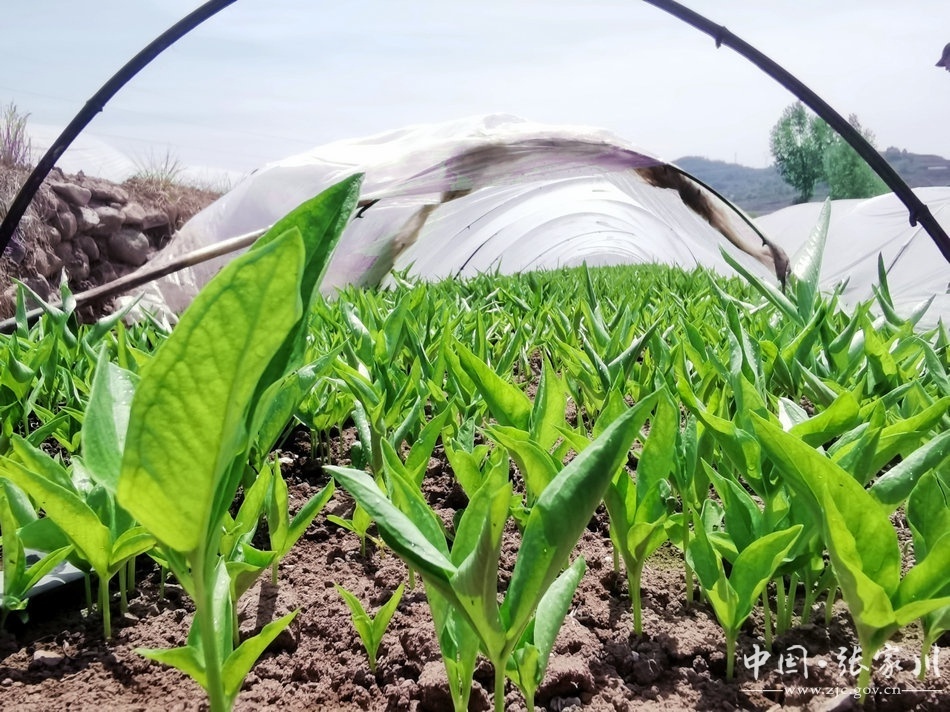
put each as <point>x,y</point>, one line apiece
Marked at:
<point>15,250</point>
<point>89,246</point>
<point>74,260</point>
<point>48,264</point>
<point>54,236</point>
<point>86,218</point>
<point>133,214</point>
<point>41,287</point>
<point>154,218</point>
<point>103,273</point>
<point>47,658</point>
<point>46,203</point>
<point>107,193</point>
<point>110,220</point>
<point>67,224</point>
<point>129,246</point>
<point>72,193</point>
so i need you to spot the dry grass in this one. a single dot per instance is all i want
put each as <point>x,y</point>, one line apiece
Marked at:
<point>15,146</point>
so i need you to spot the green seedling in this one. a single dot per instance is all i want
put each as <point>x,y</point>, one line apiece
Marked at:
<point>191,425</point>
<point>868,573</point>
<point>100,533</point>
<point>243,562</point>
<point>283,530</point>
<point>928,514</point>
<point>18,578</point>
<point>358,523</point>
<point>371,629</point>
<point>529,659</point>
<point>733,596</point>
<point>467,577</point>
<point>637,507</point>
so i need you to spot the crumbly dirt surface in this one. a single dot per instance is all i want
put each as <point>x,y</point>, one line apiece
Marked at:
<point>59,660</point>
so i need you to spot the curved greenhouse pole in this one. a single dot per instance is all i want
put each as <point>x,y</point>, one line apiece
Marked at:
<point>918,210</point>
<point>94,105</point>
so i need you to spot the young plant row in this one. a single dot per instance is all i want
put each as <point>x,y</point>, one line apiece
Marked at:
<point>761,433</point>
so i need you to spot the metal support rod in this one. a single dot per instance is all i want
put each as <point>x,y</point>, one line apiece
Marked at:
<point>917,209</point>
<point>92,107</point>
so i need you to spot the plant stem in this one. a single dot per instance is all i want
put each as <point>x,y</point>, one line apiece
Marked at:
<point>87,585</point>
<point>925,655</point>
<point>235,623</point>
<point>864,677</point>
<point>731,653</point>
<point>131,573</point>
<point>104,608</point>
<point>123,584</point>
<point>830,604</point>
<point>767,619</point>
<point>203,575</point>
<point>687,568</point>
<point>634,574</point>
<point>780,602</point>
<point>499,685</point>
<point>790,604</point>
<point>809,599</point>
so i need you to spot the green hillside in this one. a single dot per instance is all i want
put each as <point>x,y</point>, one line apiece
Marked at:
<point>761,190</point>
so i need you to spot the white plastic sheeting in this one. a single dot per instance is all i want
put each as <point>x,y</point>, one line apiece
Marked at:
<point>858,231</point>
<point>483,194</point>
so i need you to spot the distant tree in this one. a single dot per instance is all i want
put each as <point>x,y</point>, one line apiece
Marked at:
<point>849,175</point>
<point>798,142</point>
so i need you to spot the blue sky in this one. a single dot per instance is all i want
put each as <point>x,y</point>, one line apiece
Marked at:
<point>263,80</point>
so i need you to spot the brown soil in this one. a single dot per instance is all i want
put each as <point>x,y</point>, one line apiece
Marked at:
<point>60,661</point>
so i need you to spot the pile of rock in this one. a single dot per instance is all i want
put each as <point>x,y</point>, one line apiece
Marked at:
<point>92,230</point>
<point>96,232</point>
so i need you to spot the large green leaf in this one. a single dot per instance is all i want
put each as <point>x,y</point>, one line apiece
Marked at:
<point>106,421</point>
<point>476,552</point>
<point>817,478</point>
<point>928,512</point>
<point>537,467</point>
<point>186,658</point>
<point>896,484</point>
<point>868,601</point>
<point>507,403</point>
<point>397,529</point>
<point>529,660</point>
<point>560,515</point>
<point>831,422</point>
<point>321,221</point>
<point>807,267</point>
<point>756,564</point>
<point>550,403</point>
<point>189,414</point>
<point>66,508</point>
